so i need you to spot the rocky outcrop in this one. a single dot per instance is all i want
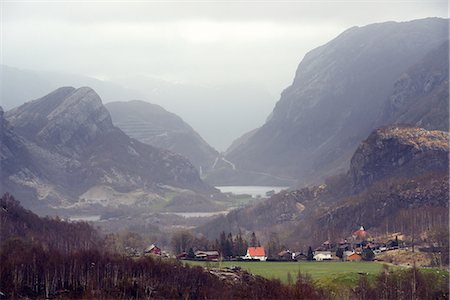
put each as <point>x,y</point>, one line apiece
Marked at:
<point>71,143</point>
<point>153,125</point>
<point>336,98</point>
<point>399,152</point>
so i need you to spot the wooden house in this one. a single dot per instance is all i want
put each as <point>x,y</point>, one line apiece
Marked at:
<point>256,253</point>
<point>207,255</point>
<point>354,257</point>
<point>152,250</point>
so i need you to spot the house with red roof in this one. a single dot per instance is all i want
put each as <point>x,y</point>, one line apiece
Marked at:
<point>152,249</point>
<point>256,253</point>
<point>360,233</point>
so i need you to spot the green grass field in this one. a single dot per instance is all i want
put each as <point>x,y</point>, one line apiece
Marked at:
<point>319,271</point>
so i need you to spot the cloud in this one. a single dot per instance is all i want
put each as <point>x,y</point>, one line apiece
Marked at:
<point>201,41</point>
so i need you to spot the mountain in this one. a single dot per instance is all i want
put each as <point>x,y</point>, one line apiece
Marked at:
<point>420,95</point>
<point>15,159</point>
<point>338,94</point>
<point>218,113</point>
<point>38,83</point>
<point>153,125</point>
<point>398,152</point>
<point>398,179</point>
<point>73,156</point>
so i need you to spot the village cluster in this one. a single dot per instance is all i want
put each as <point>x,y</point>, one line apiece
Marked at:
<point>356,248</point>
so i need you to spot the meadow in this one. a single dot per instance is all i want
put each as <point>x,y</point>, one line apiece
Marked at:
<point>319,271</point>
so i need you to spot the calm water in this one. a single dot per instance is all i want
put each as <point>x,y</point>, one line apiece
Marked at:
<point>84,218</point>
<point>198,214</point>
<point>255,191</point>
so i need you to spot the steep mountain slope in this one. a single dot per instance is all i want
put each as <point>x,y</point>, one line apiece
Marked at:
<point>153,125</point>
<point>80,158</point>
<point>398,152</point>
<point>15,159</point>
<point>396,173</point>
<point>337,95</point>
<point>421,95</point>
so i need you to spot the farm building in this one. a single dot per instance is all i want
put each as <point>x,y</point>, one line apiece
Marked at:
<point>182,255</point>
<point>257,253</point>
<point>354,257</point>
<point>299,256</point>
<point>285,255</point>
<point>207,255</point>
<point>152,249</point>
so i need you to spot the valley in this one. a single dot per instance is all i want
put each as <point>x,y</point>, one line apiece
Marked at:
<point>341,192</point>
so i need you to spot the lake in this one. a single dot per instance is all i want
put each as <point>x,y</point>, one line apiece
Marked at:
<point>84,218</point>
<point>197,214</point>
<point>254,191</point>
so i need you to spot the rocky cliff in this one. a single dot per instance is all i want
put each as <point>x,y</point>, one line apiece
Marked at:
<point>153,125</point>
<point>80,158</point>
<point>398,152</point>
<point>336,98</point>
<point>398,179</point>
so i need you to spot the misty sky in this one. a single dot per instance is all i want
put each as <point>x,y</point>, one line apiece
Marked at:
<point>190,42</point>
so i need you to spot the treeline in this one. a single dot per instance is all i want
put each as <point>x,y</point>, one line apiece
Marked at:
<point>227,244</point>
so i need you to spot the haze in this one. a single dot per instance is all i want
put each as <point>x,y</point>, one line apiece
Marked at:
<point>220,65</point>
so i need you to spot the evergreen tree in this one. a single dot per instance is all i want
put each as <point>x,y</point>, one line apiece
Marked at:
<point>240,246</point>
<point>310,255</point>
<point>191,254</point>
<point>367,254</point>
<point>253,240</point>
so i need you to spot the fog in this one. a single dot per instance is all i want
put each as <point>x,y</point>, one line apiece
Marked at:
<point>220,65</point>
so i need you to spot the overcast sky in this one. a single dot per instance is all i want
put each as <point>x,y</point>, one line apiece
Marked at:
<point>186,41</point>
<point>191,42</point>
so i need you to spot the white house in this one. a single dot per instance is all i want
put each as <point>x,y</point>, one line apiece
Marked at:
<point>255,253</point>
<point>322,255</point>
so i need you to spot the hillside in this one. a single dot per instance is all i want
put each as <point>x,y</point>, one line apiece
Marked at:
<point>398,177</point>
<point>19,223</point>
<point>65,260</point>
<point>74,157</point>
<point>338,94</point>
<point>153,125</point>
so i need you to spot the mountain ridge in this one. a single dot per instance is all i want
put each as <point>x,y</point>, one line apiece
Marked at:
<point>337,94</point>
<point>75,148</point>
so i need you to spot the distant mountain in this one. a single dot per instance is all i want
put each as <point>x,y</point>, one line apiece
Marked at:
<point>153,125</point>
<point>38,83</point>
<point>397,182</point>
<point>420,95</point>
<point>218,113</point>
<point>338,94</point>
<point>73,156</point>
